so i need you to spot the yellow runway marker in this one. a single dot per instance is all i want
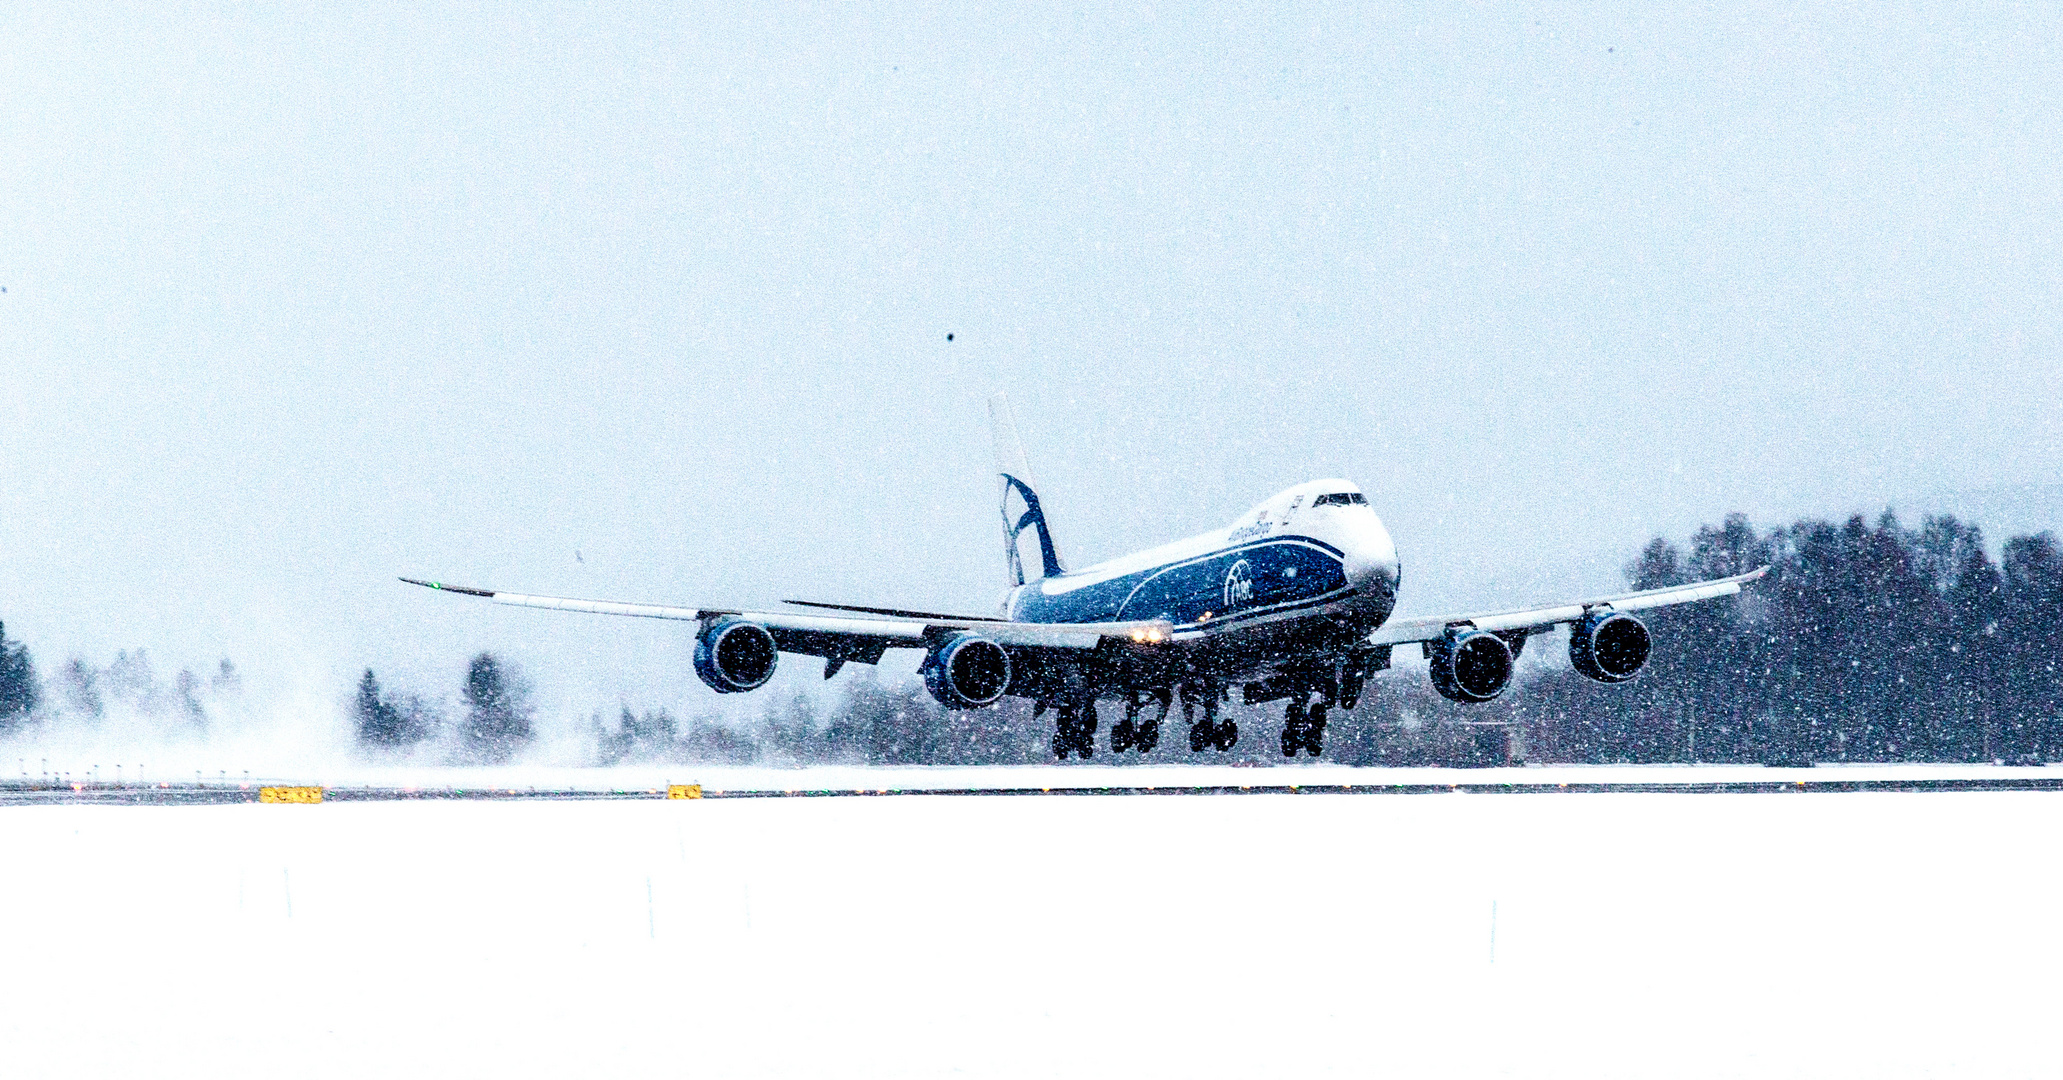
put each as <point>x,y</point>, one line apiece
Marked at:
<point>683,791</point>
<point>290,795</point>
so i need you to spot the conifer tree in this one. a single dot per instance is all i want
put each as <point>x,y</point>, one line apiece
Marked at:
<point>378,720</point>
<point>497,711</point>
<point>19,692</point>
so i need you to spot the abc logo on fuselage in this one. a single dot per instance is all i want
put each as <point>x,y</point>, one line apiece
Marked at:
<point>1239,585</point>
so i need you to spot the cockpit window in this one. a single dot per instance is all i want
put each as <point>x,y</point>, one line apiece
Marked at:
<point>1341,498</point>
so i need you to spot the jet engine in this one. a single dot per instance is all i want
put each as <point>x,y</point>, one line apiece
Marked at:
<point>1609,646</point>
<point>1470,665</point>
<point>734,655</point>
<point>967,671</point>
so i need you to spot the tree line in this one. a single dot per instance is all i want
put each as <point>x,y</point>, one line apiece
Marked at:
<point>496,724</point>
<point>1866,642</point>
<point>83,692</point>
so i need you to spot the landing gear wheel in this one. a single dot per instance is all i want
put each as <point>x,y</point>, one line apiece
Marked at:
<point>1294,724</point>
<point>1210,731</point>
<point>1314,732</point>
<point>1069,736</point>
<point>1122,735</point>
<point>1148,736</point>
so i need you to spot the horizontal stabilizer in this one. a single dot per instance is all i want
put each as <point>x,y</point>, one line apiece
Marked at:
<point>899,613</point>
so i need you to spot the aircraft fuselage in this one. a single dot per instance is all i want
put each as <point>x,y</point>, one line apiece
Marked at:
<point>1312,566</point>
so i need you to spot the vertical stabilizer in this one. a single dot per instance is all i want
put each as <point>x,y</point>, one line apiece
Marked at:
<point>1015,474</point>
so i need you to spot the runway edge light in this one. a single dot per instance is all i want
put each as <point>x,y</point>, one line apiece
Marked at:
<point>683,791</point>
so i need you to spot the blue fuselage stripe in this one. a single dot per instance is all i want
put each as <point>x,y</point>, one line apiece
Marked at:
<point>1233,583</point>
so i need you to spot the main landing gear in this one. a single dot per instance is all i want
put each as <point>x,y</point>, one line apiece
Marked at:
<point>1210,731</point>
<point>1304,729</point>
<point>1132,732</point>
<point>1312,697</point>
<point>1075,731</point>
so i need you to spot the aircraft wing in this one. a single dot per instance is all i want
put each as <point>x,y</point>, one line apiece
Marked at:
<point>1404,631</point>
<point>847,637</point>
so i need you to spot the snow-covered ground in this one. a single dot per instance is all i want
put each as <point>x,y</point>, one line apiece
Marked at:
<point>1633,935</point>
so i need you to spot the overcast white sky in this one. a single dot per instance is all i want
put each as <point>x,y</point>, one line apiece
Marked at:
<point>300,301</point>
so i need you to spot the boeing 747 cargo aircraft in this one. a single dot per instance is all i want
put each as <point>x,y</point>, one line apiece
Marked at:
<point>1290,602</point>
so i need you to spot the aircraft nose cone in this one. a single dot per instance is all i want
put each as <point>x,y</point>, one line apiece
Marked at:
<point>1388,574</point>
<point>1373,565</point>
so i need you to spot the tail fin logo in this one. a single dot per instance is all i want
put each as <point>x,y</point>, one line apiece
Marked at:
<point>1016,474</point>
<point>1014,525</point>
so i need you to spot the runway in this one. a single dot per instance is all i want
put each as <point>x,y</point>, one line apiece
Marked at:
<point>517,785</point>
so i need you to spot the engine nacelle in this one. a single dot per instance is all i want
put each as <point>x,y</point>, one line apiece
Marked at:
<point>1609,646</point>
<point>1471,665</point>
<point>967,671</point>
<point>734,655</point>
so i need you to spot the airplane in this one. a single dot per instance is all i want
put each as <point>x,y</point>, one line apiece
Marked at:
<point>1292,602</point>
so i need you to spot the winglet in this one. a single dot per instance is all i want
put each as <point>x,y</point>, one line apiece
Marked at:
<point>441,587</point>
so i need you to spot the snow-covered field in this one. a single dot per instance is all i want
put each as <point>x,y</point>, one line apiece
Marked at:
<point>1632,935</point>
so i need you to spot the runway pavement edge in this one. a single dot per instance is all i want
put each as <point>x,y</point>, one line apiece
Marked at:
<point>48,793</point>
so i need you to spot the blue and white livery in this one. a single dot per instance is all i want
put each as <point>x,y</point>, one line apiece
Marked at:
<point>1291,601</point>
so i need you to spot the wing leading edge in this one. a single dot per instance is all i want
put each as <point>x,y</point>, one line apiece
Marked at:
<point>1406,631</point>
<point>845,637</point>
